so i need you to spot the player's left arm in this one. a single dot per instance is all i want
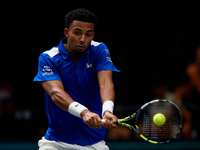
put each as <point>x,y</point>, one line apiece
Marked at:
<point>107,94</point>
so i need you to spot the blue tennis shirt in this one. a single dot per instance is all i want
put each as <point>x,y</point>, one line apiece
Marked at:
<point>80,81</point>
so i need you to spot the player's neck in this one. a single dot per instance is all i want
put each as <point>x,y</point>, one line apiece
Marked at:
<point>75,53</point>
<point>70,51</point>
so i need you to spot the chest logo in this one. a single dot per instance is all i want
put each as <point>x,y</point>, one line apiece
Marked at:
<point>88,65</point>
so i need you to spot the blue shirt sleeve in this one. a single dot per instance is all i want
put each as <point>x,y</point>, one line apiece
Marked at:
<point>103,60</point>
<point>46,69</point>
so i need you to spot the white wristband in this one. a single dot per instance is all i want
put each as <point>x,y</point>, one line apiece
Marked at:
<point>76,108</point>
<point>107,106</point>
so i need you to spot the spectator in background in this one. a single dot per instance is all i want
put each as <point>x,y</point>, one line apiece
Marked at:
<point>181,96</point>
<point>193,72</point>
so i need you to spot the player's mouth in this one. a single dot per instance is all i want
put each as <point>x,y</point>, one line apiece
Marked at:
<point>81,47</point>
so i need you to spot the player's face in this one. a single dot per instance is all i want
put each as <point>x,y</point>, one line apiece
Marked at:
<point>79,36</point>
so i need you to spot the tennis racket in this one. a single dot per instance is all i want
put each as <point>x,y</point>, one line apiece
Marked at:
<point>145,127</point>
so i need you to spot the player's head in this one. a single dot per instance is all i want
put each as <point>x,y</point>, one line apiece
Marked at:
<point>80,24</point>
<point>80,14</point>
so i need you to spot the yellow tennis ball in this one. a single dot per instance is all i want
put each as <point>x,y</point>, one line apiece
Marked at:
<point>159,119</point>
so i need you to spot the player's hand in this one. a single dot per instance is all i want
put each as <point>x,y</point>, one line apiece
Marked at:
<point>91,119</point>
<point>110,120</point>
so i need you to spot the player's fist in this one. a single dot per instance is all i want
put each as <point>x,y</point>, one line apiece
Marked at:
<point>91,119</point>
<point>110,120</point>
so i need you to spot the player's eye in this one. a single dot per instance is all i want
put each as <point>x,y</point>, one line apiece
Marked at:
<point>89,35</point>
<point>77,33</point>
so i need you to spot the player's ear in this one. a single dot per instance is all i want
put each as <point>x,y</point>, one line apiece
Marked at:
<point>66,32</point>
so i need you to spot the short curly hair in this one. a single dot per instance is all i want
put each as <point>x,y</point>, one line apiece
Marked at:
<point>80,14</point>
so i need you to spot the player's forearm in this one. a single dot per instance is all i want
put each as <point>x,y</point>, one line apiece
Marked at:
<point>61,99</point>
<point>106,85</point>
<point>107,91</point>
<point>57,94</point>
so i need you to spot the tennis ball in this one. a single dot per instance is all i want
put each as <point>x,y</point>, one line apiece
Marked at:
<point>159,119</point>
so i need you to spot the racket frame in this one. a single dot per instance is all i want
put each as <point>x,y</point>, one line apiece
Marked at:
<point>121,122</point>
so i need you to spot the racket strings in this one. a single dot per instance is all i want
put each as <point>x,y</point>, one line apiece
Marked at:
<point>159,133</point>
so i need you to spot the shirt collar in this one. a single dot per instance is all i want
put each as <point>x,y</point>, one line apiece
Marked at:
<point>63,51</point>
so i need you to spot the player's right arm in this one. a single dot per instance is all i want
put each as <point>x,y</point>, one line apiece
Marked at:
<point>55,90</point>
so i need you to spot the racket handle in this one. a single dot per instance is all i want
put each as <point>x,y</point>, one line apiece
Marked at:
<point>103,120</point>
<point>117,122</point>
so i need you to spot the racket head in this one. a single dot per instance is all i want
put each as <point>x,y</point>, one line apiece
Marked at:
<point>164,133</point>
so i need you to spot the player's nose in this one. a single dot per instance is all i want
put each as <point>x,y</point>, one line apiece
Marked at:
<point>82,39</point>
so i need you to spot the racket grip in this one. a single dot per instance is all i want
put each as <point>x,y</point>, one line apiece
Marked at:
<point>103,120</point>
<point>117,122</point>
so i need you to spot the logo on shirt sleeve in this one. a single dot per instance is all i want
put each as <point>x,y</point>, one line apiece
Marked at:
<point>108,59</point>
<point>107,51</point>
<point>47,70</point>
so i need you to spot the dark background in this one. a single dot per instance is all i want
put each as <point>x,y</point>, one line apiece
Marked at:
<point>147,41</point>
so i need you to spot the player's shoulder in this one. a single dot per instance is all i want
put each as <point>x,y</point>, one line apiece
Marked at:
<point>95,44</point>
<point>52,52</point>
<point>51,55</point>
<point>98,47</point>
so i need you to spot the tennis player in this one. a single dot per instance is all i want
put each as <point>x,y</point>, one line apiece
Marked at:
<point>77,78</point>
